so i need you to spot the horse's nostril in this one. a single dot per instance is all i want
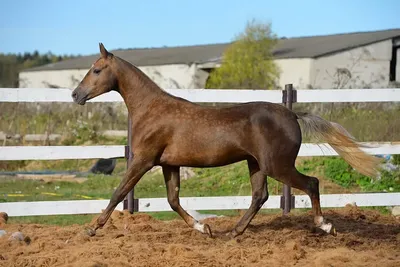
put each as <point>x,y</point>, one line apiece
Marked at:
<point>74,95</point>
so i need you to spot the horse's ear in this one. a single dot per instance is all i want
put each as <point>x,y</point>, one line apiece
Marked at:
<point>103,51</point>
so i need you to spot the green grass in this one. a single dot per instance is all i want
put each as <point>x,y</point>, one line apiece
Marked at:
<point>96,187</point>
<point>223,181</point>
<point>367,122</point>
<point>231,180</point>
<point>341,173</point>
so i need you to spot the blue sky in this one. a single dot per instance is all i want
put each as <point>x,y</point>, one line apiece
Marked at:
<point>76,27</point>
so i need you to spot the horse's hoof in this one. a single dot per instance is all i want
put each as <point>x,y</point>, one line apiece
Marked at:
<point>207,230</point>
<point>226,236</point>
<point>90,231</point>
<point>232,234</point>
<point>235,233</point>
<point>333,231</point>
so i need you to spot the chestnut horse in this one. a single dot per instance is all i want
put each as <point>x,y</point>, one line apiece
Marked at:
<point>171,132</point>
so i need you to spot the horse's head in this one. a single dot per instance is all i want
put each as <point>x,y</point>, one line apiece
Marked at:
<point>98,80</point>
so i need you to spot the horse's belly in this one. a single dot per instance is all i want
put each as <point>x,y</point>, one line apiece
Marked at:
<point>202,155</point>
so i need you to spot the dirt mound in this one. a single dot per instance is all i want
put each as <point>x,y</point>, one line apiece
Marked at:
<point>3,219</point>
<point>365,238</point>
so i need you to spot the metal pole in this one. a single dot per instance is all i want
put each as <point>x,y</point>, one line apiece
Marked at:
<point>129,203</point>
<point>287,197</point>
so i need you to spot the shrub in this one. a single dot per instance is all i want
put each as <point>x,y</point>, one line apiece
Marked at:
<point>339,171</point>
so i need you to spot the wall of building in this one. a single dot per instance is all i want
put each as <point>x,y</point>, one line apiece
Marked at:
<point>363,67</point>
<point>295,71</point>
<point>176,76</point>
<point>53,78</point>
<point>166,76</point>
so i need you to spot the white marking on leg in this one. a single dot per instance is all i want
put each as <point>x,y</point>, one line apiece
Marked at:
<point>320,222</point>
<point>199,227</point>
<point>327,227</point>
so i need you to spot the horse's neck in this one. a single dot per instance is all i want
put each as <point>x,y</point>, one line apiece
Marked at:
<point>137,90</point>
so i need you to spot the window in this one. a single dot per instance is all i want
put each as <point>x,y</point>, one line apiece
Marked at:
<point>393,62</point>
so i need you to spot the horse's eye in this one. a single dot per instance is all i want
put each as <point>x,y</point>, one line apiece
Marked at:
<point>96,71</point>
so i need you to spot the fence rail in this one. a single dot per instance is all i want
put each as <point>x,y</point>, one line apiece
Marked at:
<point>195,203</point>
<point>214,95</point>
<point>200,96</point>
<point>60,152</point>
<point>118,151</point>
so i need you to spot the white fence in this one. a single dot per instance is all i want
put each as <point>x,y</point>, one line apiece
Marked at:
<point>214,95</point>
<point>202,203</point>
<point>194,203</point>
<point>118,151</point>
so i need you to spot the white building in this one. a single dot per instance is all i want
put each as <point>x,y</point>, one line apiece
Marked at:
<point>362,60</point>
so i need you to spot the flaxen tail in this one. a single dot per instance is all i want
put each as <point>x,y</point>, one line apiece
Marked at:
<point>341,141</point>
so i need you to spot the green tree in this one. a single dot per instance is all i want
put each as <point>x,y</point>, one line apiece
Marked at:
<point>248,62</point>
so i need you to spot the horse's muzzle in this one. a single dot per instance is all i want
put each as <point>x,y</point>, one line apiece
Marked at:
<point>78,97</point>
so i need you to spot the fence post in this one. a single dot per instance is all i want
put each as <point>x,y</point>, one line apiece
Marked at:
<point>130,203</point>
<point>289,96</point>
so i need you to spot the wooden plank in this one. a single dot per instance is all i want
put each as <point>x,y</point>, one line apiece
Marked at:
<point>360,199</point>
<point>49,95</point>
<point>60,152</point>
<point>205,203</point>
<point>227,95</point>
<point>194,203</point>
<point>53,137</point>
<point>348,95</point>
<point>116,151</point>
<point>55,207</point>
<point>214,95</point>
<point>324,149</point>
<point>194,95</point>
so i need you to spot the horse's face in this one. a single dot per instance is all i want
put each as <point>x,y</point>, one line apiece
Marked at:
<point>98,80</point>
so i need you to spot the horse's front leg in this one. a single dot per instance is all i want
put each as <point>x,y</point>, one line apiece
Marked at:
<point>172,182</point>
<point>138,168</point>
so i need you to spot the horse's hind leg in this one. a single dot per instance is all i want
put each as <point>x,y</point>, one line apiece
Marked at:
<point>172,182</point>
<point>258,181</point>
<point>309,185</point>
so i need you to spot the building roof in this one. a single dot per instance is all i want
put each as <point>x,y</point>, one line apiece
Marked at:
<point>298,47</point>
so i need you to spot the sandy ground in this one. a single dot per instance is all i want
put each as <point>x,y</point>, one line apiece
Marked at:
<point>365,238</point>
